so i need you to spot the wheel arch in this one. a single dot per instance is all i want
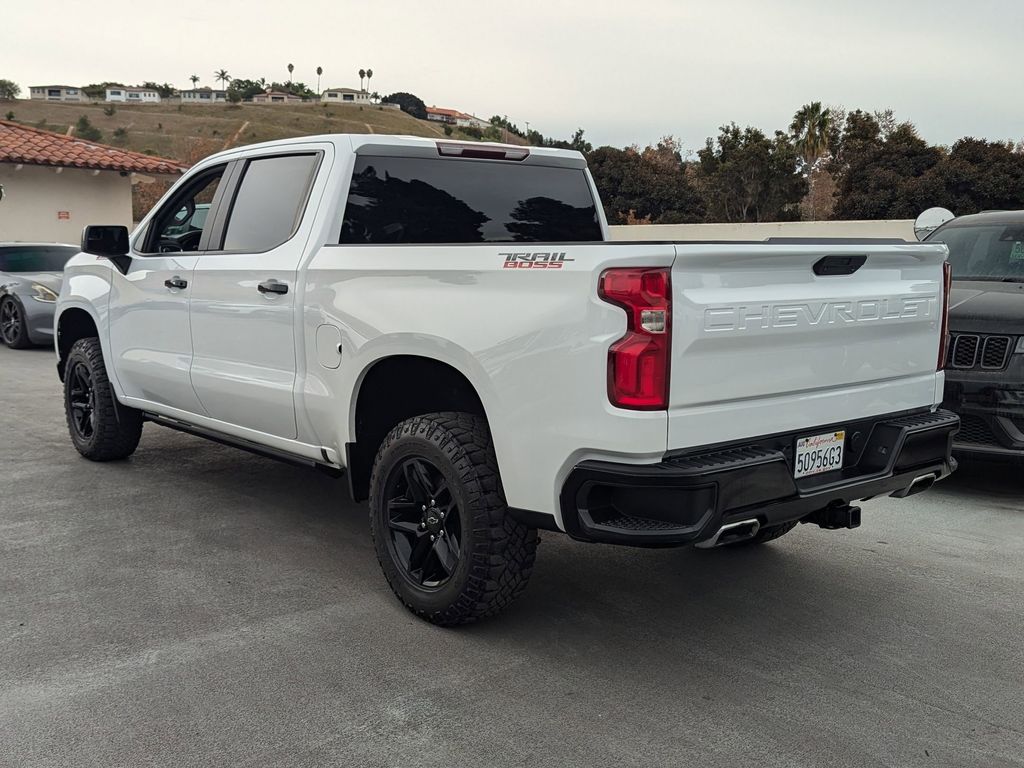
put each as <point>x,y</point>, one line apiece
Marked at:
<point>395,388</point>
<point>71,324</point>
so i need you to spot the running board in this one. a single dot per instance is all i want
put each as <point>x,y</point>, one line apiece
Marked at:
<point>245,445</point>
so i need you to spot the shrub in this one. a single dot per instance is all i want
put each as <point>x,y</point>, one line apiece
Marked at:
<point>10,115</point>
<point>86,130</point>
<point>447,130</point>
<point>110,110</point>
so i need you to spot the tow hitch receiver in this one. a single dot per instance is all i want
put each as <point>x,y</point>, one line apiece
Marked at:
<point>835,517</point>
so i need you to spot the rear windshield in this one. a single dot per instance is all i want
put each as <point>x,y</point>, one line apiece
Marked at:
<point>35,258</point>
<point>984,252</point>
<point>423,200</point>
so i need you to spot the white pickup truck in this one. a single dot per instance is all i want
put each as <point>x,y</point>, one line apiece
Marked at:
<point>447,325</point>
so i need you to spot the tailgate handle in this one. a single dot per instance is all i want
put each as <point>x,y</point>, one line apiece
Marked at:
<point>838,265</point>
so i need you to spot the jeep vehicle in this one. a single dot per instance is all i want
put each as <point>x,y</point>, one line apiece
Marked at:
<point>985,364</point>
<point>447,325</point>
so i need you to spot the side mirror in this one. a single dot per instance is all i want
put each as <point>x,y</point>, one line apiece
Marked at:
<point>931,220</point>
<point>105,240</point>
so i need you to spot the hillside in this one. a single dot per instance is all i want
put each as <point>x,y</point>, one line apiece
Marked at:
<point>190,132</point>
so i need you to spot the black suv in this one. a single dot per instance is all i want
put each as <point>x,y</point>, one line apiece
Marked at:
<point>985,363</point>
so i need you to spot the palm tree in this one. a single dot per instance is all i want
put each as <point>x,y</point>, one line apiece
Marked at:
<point>195,80</point>
<point>319,71</point>
<point>811,128</point>
<point>362,74</point>
<point>291,68</point>
<point>369,74</point>
<point>222,76</point>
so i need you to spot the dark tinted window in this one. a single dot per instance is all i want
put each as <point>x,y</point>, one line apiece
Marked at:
<point>985,252</point>
<point>269,202</point>
<point>176,227</point>
<point>421,200</point>
<point>35,258</point>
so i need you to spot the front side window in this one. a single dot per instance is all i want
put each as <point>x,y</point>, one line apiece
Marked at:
<point>179,225</point>
<point>984,251</point>
<point>269,203</point>
<point>426,200</point>
<point>35,258</point>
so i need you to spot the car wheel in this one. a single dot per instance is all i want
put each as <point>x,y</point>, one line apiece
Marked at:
<point>101,429</point>
<point>13,325</point>
<point>440,525</point>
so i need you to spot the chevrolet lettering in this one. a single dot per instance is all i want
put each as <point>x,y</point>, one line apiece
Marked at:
<point>811,314</point>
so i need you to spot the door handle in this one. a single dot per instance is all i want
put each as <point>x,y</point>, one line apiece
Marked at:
<point>272,286</point>
<point>176,282</point>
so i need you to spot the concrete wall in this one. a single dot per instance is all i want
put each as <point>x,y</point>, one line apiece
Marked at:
<point>35,196</point>
<point>903,229</point>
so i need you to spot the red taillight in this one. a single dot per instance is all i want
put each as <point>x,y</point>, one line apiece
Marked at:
<point>947,286</point>
<point>638,363</point>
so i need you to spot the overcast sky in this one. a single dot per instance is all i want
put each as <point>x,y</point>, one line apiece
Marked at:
<point>627,71</point>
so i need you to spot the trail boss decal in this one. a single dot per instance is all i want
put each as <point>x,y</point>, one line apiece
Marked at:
<point>538,260</point>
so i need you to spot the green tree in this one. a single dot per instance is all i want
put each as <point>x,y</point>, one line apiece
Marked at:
<point>86,130</point>
<point>409,103</point>
<point>319,72</point>
<point>166,90</point>
<point>9,90</point>
<point>291,68</point>
<point>362,76</point>
<point>979,175</point>
<point>811,131</point>
<point>195,80</point>
<point>886,177</point>
<point>369,74</point>
<point>649,185</point>
<point>746,176</point>
<point>222,76</point>
<point>246,89</point>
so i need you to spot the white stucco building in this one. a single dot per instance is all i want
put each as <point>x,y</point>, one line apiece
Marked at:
<point>53,185</point>
<point>345,96</point>
<point>203,96</point>
<point>56,93</point>
<point>133,95</point>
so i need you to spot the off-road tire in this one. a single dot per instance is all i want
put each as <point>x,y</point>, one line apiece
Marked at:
<point>20,339</point>
<point>116,429</point>
<point>766,534</point>
<point>496,552</point>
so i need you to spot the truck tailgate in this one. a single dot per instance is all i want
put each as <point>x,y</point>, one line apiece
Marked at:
<point>765,342</point>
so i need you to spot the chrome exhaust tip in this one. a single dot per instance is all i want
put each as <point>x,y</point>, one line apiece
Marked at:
<point>731,533</point>
<point>920,484</point>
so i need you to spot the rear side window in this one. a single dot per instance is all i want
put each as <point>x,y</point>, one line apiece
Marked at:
<point>269,203</point>
<point>444,200</point>
<point>35,258</point>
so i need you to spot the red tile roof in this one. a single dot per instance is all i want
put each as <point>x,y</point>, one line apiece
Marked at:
<point>21,144</point>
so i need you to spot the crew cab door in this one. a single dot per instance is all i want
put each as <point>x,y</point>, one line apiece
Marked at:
<point>242,309</point>
<point>149,323</point>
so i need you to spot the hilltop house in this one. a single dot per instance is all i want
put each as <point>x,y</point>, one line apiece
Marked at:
<point>345,96</point>
<point>53,185</point>
<point>455,117</point>
<point>56,93</point>
<point>133,95</point>
<point>204,95</point>
<point>275,97</point>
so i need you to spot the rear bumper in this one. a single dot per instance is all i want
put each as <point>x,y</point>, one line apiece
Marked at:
<point>687,498</point>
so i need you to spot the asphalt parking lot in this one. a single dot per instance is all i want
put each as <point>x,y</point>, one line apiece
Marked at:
<point>200,606</point>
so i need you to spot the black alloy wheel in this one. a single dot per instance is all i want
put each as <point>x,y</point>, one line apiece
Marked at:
<point>82,401</point>
<point>424,523</point>
<point>11,323</point>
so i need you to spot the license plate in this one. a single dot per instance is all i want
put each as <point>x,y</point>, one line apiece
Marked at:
<point>821,453</point>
